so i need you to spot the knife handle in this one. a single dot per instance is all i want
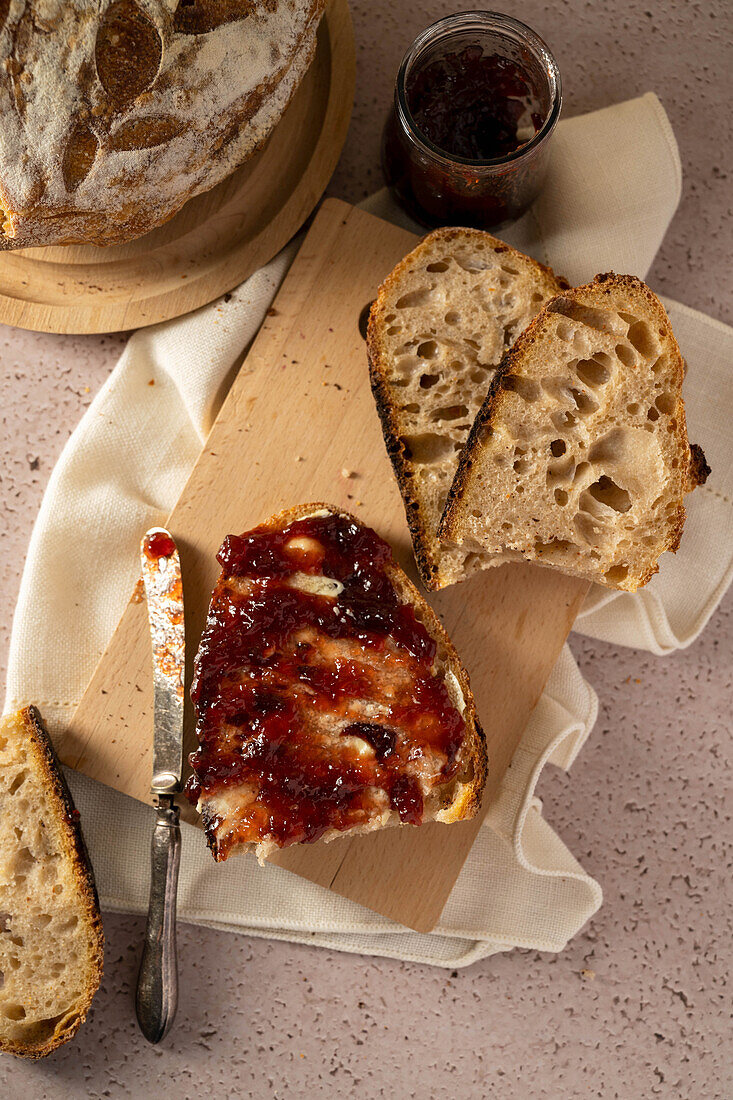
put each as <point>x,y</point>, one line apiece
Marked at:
<point>156,999</point>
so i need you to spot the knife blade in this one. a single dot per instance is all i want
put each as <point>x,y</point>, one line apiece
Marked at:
<point>156,999</point>
<point>161,568</point>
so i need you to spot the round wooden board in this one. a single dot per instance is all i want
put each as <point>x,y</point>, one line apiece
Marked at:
<point>218,239</point>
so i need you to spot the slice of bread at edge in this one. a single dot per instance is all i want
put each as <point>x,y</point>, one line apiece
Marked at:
<point>51,942</point>
<point>254,813</point>
<point>579,457</point>
<point>438,330</point>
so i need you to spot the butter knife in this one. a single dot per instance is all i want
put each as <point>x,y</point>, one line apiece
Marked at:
<point>157,984</point>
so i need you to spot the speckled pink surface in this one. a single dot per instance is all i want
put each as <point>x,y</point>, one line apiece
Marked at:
<point>637,1006</point>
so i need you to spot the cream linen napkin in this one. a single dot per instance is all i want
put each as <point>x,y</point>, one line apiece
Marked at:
<point>613,187</point>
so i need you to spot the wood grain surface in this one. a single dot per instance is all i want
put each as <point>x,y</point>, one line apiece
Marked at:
<point>299,416</point>
<point>217,239</point>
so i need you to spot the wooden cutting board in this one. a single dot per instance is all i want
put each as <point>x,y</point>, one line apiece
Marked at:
<point>218,239</point>
<point>299,416</point>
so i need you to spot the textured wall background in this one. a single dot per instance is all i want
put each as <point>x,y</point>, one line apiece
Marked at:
<point>637,1006</point>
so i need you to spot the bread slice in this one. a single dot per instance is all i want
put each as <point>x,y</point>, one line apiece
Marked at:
<point>51,942</point>
<point>437,332</point>
<point>329,699</point>
<point>579,457</point>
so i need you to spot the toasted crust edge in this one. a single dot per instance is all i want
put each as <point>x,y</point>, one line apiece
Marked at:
<point>429,566</point>
<point>699,469</point>
<point>467,801</point>
<point>75,850</point>
<point>605,284</point>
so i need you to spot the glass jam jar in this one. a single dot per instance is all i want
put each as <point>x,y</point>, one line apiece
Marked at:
<point>477,98</point>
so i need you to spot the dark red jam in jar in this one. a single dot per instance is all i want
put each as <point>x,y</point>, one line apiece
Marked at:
<point>477,97</point>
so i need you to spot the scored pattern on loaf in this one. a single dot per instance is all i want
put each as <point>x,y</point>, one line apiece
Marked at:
<point>79,157</point>
<point>144,133</point>
<point>202,16</point>
<point>153,103</point>
<point>127,52</point>
<point>579,457</point>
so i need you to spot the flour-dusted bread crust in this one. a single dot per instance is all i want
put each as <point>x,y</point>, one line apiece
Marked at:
<point>579,457</point>
<point>114,114</point>
<point>457,799</point>
<point>438,329</point>
<point>51,942</point>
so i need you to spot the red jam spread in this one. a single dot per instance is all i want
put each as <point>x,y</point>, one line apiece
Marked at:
<point>470,104</point>
<point>159,545</point>
<point>311,705</point>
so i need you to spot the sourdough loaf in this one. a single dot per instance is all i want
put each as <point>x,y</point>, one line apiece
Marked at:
<point>329,699</point>
<point>579,457</point>
<point>437,332</point>
<point>114,113</point>
<point>51,942</point>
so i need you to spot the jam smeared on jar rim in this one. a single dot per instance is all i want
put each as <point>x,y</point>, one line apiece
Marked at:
<point>470,104</point>
<point>159,545</point>
<point>285,678</point>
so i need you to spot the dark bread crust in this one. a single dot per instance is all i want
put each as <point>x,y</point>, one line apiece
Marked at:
<point>428,564</point>
<point>602,285</point>
<point>473,754</point>
<point>74,849</point>
<point>699,469</point>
